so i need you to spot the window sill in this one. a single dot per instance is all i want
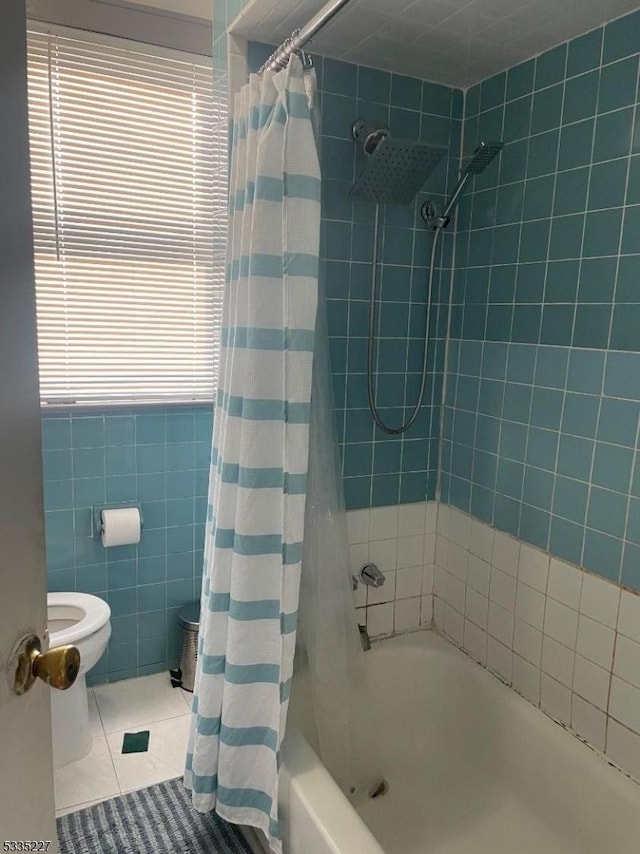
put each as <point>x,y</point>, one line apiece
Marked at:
<point>54,409</point>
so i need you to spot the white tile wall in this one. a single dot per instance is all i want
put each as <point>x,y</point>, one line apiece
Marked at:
<point>623,747</point>
<point>475,641</point>
<point>629,616</point>
<point>558,661</point>
<point>555,699</point>
<point>401,541</point>
<point>533,568</point>
<point>588,722</point>
<point>567,640</point>
<point>476,609</point>
<point>600,600</point>
<point>527,642</point>
<point>624,704</point>
<point>591,682</point>
<point>506,553</point>
<point>565,583</point>
<point>530,605</point>
<point>526,679</point>
<point>596,642</point>
<point>561,623</point>
<point>627,663</point>
<point>499,659</point>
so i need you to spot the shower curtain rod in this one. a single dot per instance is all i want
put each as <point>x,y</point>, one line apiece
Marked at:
<point>299,38</point>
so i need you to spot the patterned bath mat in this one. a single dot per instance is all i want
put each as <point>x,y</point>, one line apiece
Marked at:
<point>157,820</point>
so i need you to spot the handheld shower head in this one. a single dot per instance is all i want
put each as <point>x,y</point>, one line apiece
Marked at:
<point>477,163</point>
<point>482,157</point>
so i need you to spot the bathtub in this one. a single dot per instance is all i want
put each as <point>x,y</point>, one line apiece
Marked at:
<point>472,768</point>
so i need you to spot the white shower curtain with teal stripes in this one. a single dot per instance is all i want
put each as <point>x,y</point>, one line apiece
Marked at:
<point>255,522</point>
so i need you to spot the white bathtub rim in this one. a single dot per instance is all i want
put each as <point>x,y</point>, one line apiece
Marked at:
<point>305,783</point>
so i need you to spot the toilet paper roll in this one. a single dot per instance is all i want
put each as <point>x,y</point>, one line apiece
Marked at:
<point>120,527</point>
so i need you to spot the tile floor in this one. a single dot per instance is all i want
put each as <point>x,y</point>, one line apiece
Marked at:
<point>148,702</point>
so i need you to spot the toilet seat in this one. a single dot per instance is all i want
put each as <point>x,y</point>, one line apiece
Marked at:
<point>74,616</point>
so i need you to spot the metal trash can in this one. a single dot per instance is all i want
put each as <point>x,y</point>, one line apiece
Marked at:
<point>189,622</point>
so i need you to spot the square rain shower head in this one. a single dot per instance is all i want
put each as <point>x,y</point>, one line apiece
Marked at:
<point>396,171</point>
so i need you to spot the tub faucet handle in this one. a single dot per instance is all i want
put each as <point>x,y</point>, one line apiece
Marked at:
<point>371,575</point>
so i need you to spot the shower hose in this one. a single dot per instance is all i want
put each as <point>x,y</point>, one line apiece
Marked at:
<point>395,431</point>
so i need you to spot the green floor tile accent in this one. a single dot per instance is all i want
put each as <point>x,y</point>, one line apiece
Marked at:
<point>135,742</point>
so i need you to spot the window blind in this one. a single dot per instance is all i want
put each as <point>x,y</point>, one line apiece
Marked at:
<point>129,182</point>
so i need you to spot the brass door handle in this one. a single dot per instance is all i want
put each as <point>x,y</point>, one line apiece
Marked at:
<point>58,667</point>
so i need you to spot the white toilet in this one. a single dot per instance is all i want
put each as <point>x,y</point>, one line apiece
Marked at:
<point>81,620</point>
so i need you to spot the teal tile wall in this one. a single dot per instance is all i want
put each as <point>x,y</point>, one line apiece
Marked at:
<point>543,397</point>
<point>379,469</point>
<point>158,458</point>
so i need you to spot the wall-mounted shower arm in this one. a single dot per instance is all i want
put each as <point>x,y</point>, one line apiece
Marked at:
<point>299,38</point>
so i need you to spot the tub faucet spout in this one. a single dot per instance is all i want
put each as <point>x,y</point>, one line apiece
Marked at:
<point>364,638</point>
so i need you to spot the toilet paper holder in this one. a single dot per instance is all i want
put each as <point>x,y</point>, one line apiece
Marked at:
<point>96,516</point>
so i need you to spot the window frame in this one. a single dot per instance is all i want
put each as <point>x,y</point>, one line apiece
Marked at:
<point>154,51</point>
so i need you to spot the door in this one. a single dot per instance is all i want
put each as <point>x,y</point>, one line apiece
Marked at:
<point>26,768</point>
